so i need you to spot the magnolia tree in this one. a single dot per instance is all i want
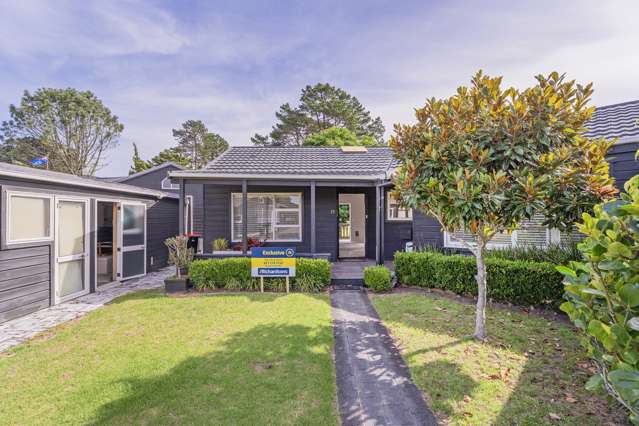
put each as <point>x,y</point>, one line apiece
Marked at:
<point>487,158</point>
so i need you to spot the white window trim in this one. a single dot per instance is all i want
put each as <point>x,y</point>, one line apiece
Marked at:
<point>552,237</point>
<point>274,215</point>
<point>396,219</point>
<point>350,219</point>
<point>170,184</point>
<point>188,214</point>
<point>50,237</point>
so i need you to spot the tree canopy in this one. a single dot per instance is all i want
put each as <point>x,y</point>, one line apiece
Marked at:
<point>321,107</point>
<point>487,158</point>
<point>72,128</point>
<point>196,146</point>
<point>338,136</point>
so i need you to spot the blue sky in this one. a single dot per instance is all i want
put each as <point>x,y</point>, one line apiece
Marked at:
<point>232,64</point>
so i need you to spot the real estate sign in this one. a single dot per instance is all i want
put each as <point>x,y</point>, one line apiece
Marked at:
<point>272,262</point>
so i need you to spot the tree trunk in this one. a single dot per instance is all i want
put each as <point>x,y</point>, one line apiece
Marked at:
<point>480,315</point>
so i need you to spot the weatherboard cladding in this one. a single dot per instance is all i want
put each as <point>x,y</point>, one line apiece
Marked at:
<point>301,161</point>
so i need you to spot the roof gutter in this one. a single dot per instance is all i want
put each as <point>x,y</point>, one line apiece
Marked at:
<point>103,187</point>
<point>207,175</point>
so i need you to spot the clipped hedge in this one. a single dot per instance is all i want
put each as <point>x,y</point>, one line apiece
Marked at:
<point>377,278</point>
<point>509,281</point>
<point>234,273</point>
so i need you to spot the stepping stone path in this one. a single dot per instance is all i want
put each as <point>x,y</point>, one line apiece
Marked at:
<point>24,328</point>
<point>374,386</point>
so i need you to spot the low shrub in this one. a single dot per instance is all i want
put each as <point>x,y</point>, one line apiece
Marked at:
<point>234,273</point>
<point>555,253</point>
<point>509,281</point>
<point>377,278</point>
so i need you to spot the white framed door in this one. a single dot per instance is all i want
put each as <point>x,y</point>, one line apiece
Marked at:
<point>71,248</point>
<point>131,240</point>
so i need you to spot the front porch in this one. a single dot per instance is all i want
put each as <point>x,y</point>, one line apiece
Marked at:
<point>350,273</point>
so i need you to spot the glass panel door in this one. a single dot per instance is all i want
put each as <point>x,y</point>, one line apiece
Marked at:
<point>132,250</point>
<point>71,248</point>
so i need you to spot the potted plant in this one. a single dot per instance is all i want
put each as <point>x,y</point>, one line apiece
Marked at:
<point>220,245</point>
<point>180,256</point>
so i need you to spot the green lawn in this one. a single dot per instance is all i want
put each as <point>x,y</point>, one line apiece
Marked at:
<point>530,372</point>
<point>151,359</point>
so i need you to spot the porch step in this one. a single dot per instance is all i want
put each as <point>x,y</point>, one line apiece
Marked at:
<point>347,283</point>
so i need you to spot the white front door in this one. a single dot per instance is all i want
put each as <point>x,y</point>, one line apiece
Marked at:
<point>71,248</point>
<point>131,240</point>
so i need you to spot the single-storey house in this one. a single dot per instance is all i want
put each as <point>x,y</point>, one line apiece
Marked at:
<point>62,236</point>
<point>331,202</point>
<point>335,202</point>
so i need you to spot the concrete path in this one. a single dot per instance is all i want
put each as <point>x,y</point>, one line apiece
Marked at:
<point>24,328</point>
<point>373,382</point>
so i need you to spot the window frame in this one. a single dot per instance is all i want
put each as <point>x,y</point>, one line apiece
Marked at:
<point>397,219</point>
<point>8,211</point>
<point>173,186</point>
<point>552,237</point>
<point>273,215</point>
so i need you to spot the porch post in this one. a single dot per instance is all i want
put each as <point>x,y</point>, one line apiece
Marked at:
<point>244,217</point>
<point>382,221</point>
<point>181,228</point>
<point>313,234</point>
<point>377,227</point>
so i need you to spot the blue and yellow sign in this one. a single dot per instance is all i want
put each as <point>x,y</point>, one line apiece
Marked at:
<point>272,262</point>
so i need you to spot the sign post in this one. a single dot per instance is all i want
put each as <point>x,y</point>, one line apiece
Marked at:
<point>276,262</point>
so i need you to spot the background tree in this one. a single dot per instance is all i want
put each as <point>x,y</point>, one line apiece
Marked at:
<point>338,136</point>
<point>485,159</point>
<point>72,128</point>
<point>197,144</point>
<point>196,147</point>
<point>321,107</point>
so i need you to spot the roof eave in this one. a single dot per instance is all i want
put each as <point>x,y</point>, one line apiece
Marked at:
<point>132,191</point>
<point>211,175</point>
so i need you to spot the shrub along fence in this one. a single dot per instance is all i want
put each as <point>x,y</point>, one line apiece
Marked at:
<point>235,274</point>
<point>509,281</point>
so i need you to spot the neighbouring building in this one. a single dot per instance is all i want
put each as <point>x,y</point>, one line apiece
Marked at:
<point>62,236</point>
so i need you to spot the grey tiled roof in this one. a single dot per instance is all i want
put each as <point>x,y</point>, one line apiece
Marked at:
<point>239,160</point>
<point>616,121</point>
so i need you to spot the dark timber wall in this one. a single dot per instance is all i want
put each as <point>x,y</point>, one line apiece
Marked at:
<point>217,216</point>
<point>161,223</point>
<point>153,180</point>
<point>622,161</point>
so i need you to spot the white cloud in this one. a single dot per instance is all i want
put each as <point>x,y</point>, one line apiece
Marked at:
<point>86,29</point>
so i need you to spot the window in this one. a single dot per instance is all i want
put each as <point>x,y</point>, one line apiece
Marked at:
<point>271,216</point>
<point>395,211</point>
<point>529,233</point>
<point>166,184</point>
<point>29,217</point>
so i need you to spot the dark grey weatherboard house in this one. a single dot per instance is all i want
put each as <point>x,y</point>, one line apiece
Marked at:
<point>61,236</point>
<point>333,202</point>
<point>336,202</point>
